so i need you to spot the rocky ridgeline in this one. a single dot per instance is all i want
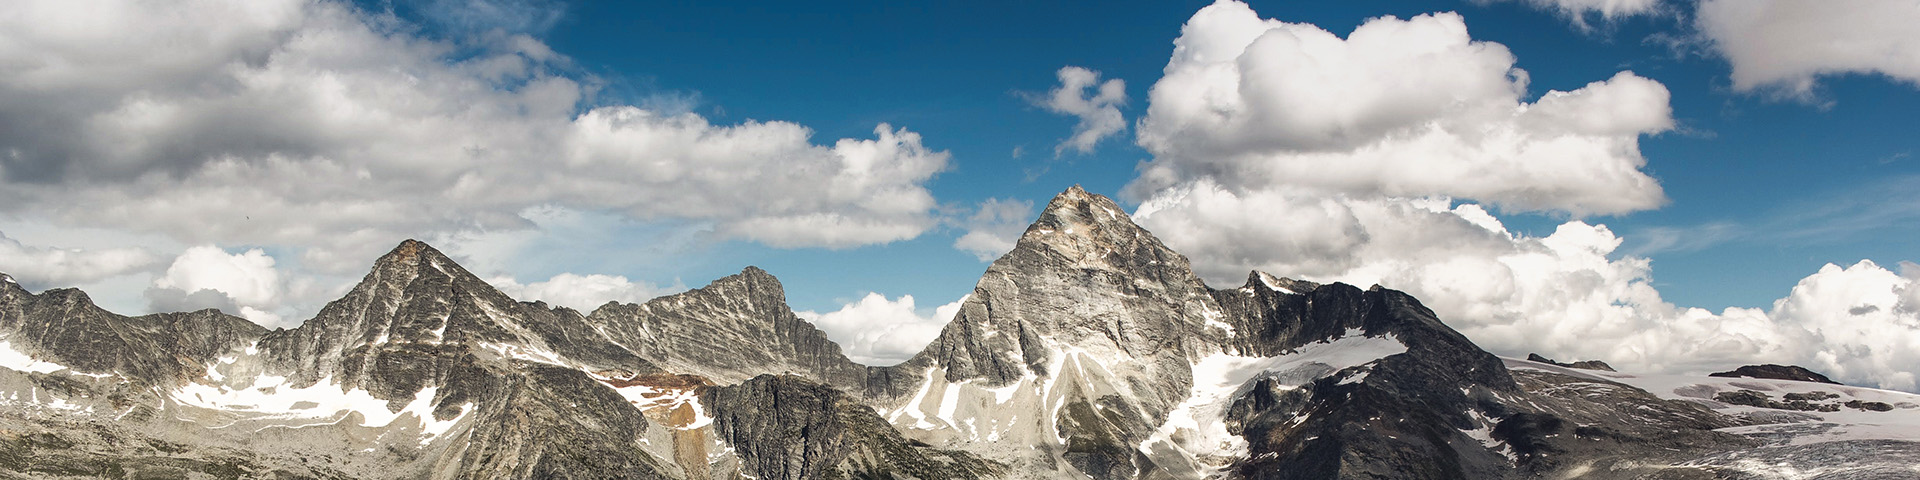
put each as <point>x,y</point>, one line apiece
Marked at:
<point>1776,372</point>
<point>1091,350</point>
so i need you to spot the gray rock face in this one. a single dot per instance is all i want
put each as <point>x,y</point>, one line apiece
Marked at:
<point>792,429</point>
<point>1777,372</point>
<point>707,332</point>
<point>64,327</point>
<point>1084,273</point>
<point>1084,285</point>
<point>414,309</point>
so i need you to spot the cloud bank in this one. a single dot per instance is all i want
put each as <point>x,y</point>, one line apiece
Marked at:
<point>1368,160</point>
<point>1785,46</point>
<point>1398,108</point>
<point>878,331</point>
<point>44,267</point>
<point>246,284</point>
<point>333,131</point>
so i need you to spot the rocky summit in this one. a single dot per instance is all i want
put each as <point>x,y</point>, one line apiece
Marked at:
<point>1091,350</point>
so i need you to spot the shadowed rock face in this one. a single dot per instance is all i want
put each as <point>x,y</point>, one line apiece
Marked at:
<point>1403,416</point>
<point>64,327</point>
<point>790,428</point>
<point>1089,351</point>
<point>1776,372</point>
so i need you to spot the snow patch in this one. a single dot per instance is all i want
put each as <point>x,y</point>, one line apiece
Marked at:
<point>14,359</point>
<point>269,397</point>
<point>1213,320</point>
<point>912,408</point>
<point>36,400</point>
<point>526,352</point>
<point>1483,432</point>
<point>1197,425</point>
<point>949,400</point>
<point>647,398</point>
<point>1274,284</point>
<point>1355,378</point>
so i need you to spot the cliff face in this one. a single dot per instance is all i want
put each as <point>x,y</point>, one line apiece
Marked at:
<point>1089,351</point>
<point>733,329</point>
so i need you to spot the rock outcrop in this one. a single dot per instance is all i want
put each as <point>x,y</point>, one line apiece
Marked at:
<point>1776,372</point>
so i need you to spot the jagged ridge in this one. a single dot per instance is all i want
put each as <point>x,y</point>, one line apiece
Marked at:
<point>1091,349</point>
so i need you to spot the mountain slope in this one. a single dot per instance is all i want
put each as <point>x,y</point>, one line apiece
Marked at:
<point>1091,350</point>
<point>701,332</point>
<point>1075,344</point>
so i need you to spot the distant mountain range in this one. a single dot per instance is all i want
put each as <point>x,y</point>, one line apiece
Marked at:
<point>1089,351</point>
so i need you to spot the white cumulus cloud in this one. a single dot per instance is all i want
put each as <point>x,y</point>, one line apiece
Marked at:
<point>878,331</point>
<point>207,276</point>
<point>1367,160</point>
<point>1567,295</point>
<point>1577,11</point>
<point>1410,107</point>
<point>1097,104</point>
<point>1785,46</point>
<point>333,132</point>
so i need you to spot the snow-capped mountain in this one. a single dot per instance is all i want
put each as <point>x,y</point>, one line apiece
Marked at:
<point>1089,351</point>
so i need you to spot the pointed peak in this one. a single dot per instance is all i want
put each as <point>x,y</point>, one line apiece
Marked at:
<point>1076,206</point>
<point>409,252</point>
<point>1075,196</point>
<point>409,260</point>
<point>1259,279</point>
<point>1091,228</point>
<point>757,278</point>
<point>69,295</point>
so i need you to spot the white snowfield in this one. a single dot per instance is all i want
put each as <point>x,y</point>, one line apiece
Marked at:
<point>325,402</point>
<point>1797,427</point>
<point>667,400</point>
<point>1197,427</point>
<point>14,360</point>
<point>1005,422</point>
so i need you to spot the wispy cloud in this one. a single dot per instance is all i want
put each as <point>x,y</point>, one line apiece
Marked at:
<point>1097,104</point>
<point>1887,207</point>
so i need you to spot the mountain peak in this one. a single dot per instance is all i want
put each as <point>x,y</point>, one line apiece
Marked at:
<point>1071,204</point>
<point>1280,284</point>
<point>408,252</point>
<point>1077,221</point>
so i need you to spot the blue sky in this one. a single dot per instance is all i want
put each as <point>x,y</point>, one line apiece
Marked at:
<point>955,72</point>
<point>577,152</point>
